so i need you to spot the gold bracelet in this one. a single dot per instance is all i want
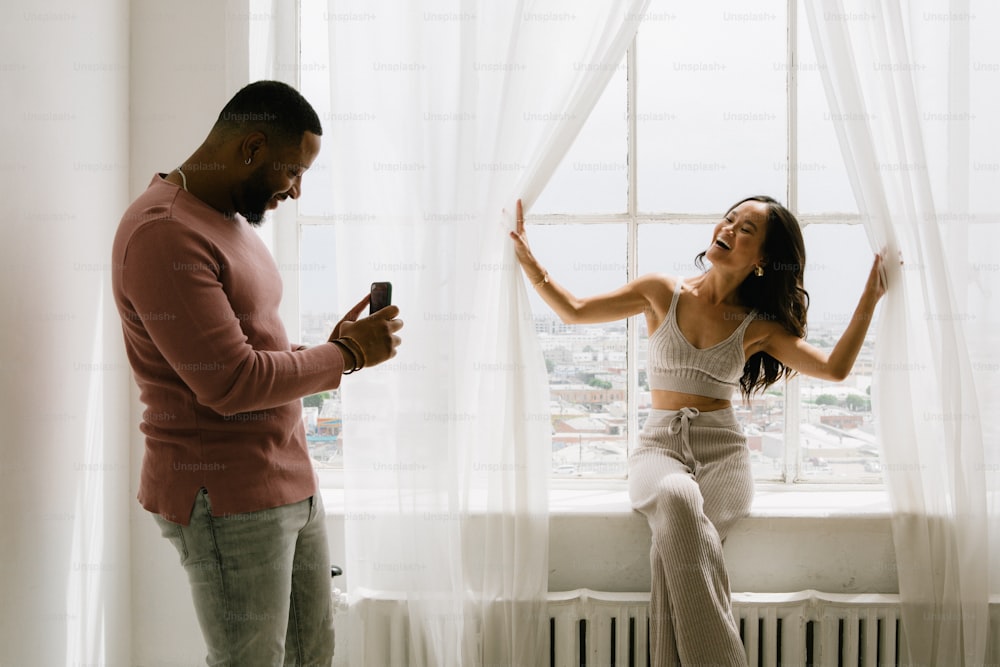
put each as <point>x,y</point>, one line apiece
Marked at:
<point>544,280</point>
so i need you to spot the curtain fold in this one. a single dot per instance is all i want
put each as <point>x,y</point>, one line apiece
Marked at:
<point>445,113</point>
<point>912,110</point>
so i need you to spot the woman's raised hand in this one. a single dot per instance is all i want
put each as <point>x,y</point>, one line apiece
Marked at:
<point>523,252</point>
<point>877,283</point>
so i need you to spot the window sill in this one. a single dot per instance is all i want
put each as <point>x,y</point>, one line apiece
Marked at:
<point>823,537</point>
<point>770,500</point>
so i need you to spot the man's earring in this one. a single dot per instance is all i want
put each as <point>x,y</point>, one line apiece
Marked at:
<point>248,160</point>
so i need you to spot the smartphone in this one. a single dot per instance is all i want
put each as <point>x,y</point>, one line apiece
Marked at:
<point>381,296</point>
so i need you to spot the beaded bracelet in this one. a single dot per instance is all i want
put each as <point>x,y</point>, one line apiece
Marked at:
<point>341,345</point>
<point>359,353</point>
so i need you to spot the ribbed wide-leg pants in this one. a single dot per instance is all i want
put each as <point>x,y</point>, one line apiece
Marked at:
<point>690,477</point>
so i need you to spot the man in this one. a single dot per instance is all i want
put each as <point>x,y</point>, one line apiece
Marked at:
<point>226,471</point>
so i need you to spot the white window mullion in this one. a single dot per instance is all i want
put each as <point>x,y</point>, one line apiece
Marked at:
<point>793,451</point>
<point>632,251</point>
<point>792,108</point>
<point>793,458</point>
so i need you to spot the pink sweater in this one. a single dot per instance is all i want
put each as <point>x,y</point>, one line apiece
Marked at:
<point>198,298</point>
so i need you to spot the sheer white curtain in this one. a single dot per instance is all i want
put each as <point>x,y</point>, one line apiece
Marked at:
<point>913,91</point>
<point>445,113</point>
<point>64,464</point>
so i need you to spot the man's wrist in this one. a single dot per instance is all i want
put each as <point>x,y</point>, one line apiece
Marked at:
<point>350,359</point>
<point>356,350</point>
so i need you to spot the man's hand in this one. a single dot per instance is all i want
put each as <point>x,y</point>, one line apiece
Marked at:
<point>375,334</point>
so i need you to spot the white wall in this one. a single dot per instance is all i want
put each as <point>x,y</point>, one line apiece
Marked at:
<point>64,563</point>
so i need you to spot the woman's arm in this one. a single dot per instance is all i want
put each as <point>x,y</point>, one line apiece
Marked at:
<point>631,299</point>
<point>796,353</point>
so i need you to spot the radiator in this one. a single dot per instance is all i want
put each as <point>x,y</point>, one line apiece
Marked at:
<point>805,628</point>
<point>600,629</point>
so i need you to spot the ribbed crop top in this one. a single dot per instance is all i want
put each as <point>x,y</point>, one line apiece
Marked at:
<point>677,365</point>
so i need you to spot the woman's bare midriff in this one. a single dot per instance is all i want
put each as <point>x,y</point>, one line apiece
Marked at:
<point>675,400</point>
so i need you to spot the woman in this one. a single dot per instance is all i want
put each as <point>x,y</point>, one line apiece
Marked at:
<point>740,324</point>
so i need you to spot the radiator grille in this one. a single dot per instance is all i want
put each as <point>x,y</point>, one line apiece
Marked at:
<point>805,628</point>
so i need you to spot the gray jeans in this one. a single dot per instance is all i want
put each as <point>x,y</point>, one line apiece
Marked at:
<point>260,583</point>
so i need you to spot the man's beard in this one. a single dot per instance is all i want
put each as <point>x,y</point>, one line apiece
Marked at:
<point>256,195</point>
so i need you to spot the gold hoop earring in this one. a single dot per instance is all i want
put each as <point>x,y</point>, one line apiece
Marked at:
<point>758,271</point>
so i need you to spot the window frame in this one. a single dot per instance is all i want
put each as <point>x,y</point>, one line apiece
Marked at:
<point>290,222</point>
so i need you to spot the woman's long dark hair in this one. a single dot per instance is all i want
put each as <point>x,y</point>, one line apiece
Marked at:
<point>777,295</point>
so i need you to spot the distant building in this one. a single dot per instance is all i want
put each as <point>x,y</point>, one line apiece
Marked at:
<point>580,425</point>
<point>594,398</point>
<point>842,422</point>
<point>309,418</point>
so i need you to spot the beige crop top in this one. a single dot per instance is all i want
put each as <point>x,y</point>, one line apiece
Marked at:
<point>677,365</point>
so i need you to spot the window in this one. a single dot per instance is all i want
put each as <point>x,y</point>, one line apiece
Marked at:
<point>712,103</point>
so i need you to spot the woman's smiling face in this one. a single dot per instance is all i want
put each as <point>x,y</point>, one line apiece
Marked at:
<point>738,239</point>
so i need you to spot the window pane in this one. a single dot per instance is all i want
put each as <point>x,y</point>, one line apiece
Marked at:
<point>314,84</point>
<point>586,363</point>
<point>320,311</point>
<point>670,249</point>
<point>593,176</point>
<point>837,434</point>
<point>711,104</point>
<point>822,178</point>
